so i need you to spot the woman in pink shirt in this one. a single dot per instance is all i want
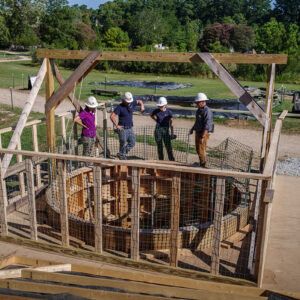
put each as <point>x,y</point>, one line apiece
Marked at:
<point>86,119</point>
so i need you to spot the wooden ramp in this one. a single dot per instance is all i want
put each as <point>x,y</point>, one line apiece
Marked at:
<point>25,277</point>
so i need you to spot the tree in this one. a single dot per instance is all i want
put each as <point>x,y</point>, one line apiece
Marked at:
<point>242,38</point>
<point>257,11</point>
<point>287,11</point>
<point>86,37</point>
<point>270,37</point>
<point>116,38</point>
<point>216,32</point>
<point>4,34</point>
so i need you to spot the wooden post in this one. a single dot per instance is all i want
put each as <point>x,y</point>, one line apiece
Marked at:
<point>3,201</point>
<point>23,118</point>
<point>175,210</point>
<point>21,174</point>
<point>63,128</point>
<point>50,118</point>
<point>36,149</point>
<point>31,198</point>
<point>217,233</point>
<point>135,214</point>
<point>64,221</point>
<point>98,207</point>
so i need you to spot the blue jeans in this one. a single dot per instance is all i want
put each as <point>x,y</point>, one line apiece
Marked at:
<point>127,141</point>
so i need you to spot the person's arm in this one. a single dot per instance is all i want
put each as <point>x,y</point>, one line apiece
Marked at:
<point>78,121</point>
<point>172,128</point>
<point>153,117</point>
<point>113,119</point>
<point>141,104</point>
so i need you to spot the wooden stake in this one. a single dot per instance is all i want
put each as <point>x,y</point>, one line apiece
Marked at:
<point>98,207</point>
<point>31,198</point>
<point>36,149</point>
<point>3,203</point>
<point>20,175</point>
<point>63,128</point>
<point>217,233</point>
<point>135,214</point>
<point>64,221</point>
<point>175,210</point>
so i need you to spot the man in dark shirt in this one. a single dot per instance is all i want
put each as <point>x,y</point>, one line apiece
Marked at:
<point>124,126</point>
<point>203,126</point>
<point>164,121</point>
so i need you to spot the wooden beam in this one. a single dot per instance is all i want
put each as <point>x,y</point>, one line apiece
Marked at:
<point>98,207</point>
<point>175,210</point>
<point>71,96</point>
<point>64,221</point>
<point>234,86</point>
<point>179,57</point>
<point>141,164</point>
<point>73,80</point>
<point>31,199</point>
<point>20,175</point>
<point>3,203</point>
<point>217,233</point>
<point>135,214</point>
<point>44,288</point>
<point>50,115</point>
<point>128,286</point>
<point>25,113</point>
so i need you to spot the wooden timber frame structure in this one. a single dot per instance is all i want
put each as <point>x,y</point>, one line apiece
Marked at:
<point>89,61</point>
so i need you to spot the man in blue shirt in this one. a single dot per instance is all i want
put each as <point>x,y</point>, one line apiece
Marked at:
<point>164,121</point>
<point>124,111</point>
<point>203,126</point>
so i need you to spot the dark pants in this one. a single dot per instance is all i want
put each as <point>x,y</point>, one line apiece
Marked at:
<point>162,135</point>
<point>127,141</point>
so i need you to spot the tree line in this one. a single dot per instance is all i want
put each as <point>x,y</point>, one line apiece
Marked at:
<point>180,25</point>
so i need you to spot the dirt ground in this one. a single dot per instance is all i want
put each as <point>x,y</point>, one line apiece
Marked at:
<point>289,144</point>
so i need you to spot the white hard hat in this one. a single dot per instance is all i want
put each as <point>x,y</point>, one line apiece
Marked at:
<point>162,101</point>
<point>128,97</point>
<point>91,102</point>
<point>200,97</point>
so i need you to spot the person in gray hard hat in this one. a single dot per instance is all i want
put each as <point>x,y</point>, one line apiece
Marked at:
<point>164,122</point>
<point>203,127</point>
<point>125,113</point>
<point>86,119</point>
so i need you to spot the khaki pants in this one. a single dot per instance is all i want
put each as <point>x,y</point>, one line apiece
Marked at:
<point>201,148</point>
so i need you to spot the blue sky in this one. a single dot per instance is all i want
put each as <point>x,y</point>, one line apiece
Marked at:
<point>89,3</point>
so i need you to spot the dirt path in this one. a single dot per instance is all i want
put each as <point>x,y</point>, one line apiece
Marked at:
<point>20,57</point>
<point>289,144</point>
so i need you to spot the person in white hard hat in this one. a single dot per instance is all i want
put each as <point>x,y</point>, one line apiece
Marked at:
<point>86,119</point>
<point>203,127</point>
<point>125,113</point>
<point>164,121</point>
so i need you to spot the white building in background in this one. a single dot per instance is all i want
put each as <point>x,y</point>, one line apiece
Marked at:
<point>160,47</point>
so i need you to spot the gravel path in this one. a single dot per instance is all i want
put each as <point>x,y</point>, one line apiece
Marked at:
<point>289,143</point>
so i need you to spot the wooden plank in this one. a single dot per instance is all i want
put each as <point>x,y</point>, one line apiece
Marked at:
<point>24,115</point>
<point>165,56</point>
<point>73,80</point>
<point>234,86</point>
<point>141,164</point>
<point>217,233</point>
<point>50,116</point>
<point>27,124</point>
<point>64,221</point>
<point>20,175</point>
<point>175,209</point>
<point>31,199</point>
<point>20,167</point>
<point>36,149</point>
<point>135,214</point>
<point>98,207</point>
<point>44,288</point>
<point>266,136</point>
<point>3,202</point>
<point>128,286</point>
<point>61,81</point>
<point>63,128</point>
